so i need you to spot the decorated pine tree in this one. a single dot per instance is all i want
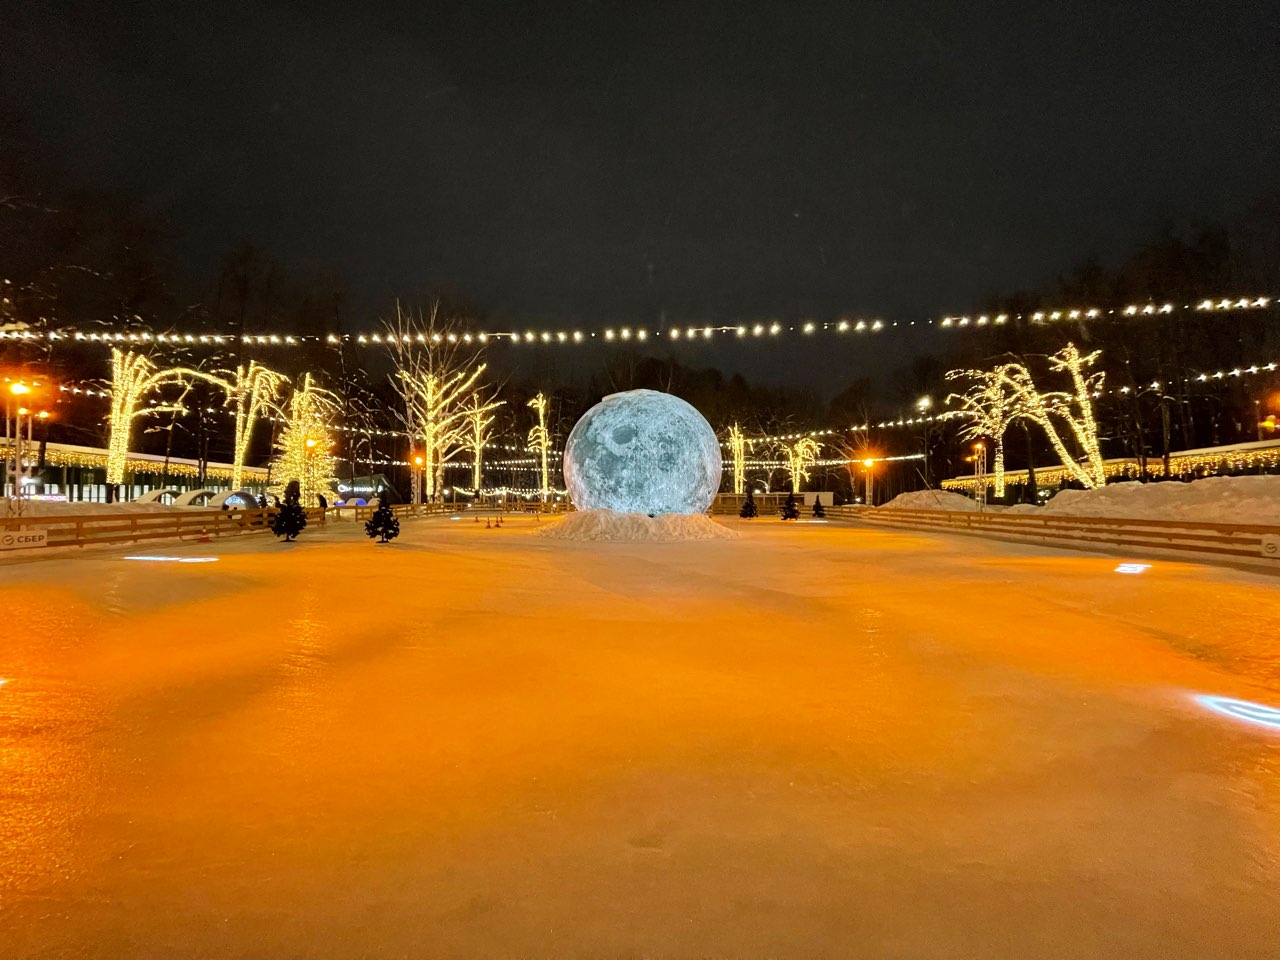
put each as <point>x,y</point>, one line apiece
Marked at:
<point>818,509</point>
<point>790,509</point>
<point>383,523</point>
<point>291,518</point>
<point>749,510</point>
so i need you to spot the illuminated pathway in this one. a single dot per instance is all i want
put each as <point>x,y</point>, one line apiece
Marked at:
<point>816,741</point>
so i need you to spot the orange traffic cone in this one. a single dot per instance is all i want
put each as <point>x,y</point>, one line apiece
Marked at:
<point>204,535</point>
<point>486,524</point>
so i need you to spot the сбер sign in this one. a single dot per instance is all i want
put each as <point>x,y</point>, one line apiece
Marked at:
<point>21,540</point>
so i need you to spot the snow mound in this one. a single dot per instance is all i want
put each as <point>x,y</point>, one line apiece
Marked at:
<point>610,525</point>
<point>1211,500</point>
<point>930,500</point>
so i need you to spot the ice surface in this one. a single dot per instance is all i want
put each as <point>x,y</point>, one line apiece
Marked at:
<point>611,525</point>
<point>821,741</point>
<point>642,452</point>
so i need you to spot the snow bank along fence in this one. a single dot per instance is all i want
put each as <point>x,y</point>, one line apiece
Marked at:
<point>1229,540</point>
<point>84,530</point>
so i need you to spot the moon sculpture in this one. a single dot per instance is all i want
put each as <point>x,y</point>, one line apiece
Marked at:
<point>642,452</point>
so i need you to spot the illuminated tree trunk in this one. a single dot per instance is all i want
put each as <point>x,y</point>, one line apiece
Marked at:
<point>738,447</point>
<point>541,440</point>
<point>999,466</point>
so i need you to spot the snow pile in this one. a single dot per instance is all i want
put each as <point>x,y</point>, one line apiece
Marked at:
<point>610,525</point>
<point>930,500</point>
<point>1211,500</point>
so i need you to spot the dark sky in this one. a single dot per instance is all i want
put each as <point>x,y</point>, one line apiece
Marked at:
<point>598,162</point>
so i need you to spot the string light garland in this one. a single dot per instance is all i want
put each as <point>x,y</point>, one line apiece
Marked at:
<point>640,334</point>
<point>1180,464</point>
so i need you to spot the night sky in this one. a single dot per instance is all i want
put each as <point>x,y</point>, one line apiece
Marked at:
<point>596,162</point>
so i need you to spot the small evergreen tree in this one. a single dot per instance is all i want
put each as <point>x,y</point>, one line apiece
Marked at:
<point>383,523</point>
<point>790,510</point>
<point>291,518</point>
<point>818,509</point>
<point>749,510</point>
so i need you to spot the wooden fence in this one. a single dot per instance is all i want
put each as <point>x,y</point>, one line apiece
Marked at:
<point>1228,540</point>
<point>91,529</point>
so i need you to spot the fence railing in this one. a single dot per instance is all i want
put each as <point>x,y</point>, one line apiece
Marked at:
<point>80,530</point>
<point>1235,540</point>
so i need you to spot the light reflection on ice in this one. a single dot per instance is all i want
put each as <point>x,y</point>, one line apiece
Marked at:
<point>1255,713</point>
<point>1133,568</point>
<point>175,559</point>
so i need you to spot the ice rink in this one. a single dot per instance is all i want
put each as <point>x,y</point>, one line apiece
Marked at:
<point>817,740</point>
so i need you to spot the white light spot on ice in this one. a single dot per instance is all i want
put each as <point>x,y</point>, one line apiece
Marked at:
<point>1133,568</point>
<point>1255,713</point>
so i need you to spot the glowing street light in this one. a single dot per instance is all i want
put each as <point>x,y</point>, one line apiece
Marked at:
<point>17,470</point>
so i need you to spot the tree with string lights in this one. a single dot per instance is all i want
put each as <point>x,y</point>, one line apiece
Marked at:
<point>437,372</point>
<point>250,392</point>
<point>738,449</point>
<point>800,456</point>
<point>303,447</point>
<point>1009,392</point>
<point>479,418</point>
<point>990,405</point>
<point>134,377</point>
<point>540,441</point>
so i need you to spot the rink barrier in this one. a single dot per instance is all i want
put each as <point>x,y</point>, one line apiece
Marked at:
<point>1234,540</point>
<point>94,529</point>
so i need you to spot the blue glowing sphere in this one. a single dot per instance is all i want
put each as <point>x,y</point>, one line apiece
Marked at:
<point>642,452</point>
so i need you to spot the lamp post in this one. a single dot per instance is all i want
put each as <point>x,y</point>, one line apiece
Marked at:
<point>979,461</point>
<point>19,437</point>
<point>415,479</point>
<point>868,466</point>
<point>309,468</point>
<point>923,406</point>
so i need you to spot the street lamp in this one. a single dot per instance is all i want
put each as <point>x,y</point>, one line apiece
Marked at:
<point>924,404</point>
<point>310,491</point>
<point>17,442</point>
<point>868,464</point>
<point>979,461</point>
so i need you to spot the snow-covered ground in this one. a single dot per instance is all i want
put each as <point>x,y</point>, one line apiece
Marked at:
<point>1211,500</point>
<point>930,500</point>
<point>814,740</point>
<point>603,525</point>
<point>1254,500</point>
